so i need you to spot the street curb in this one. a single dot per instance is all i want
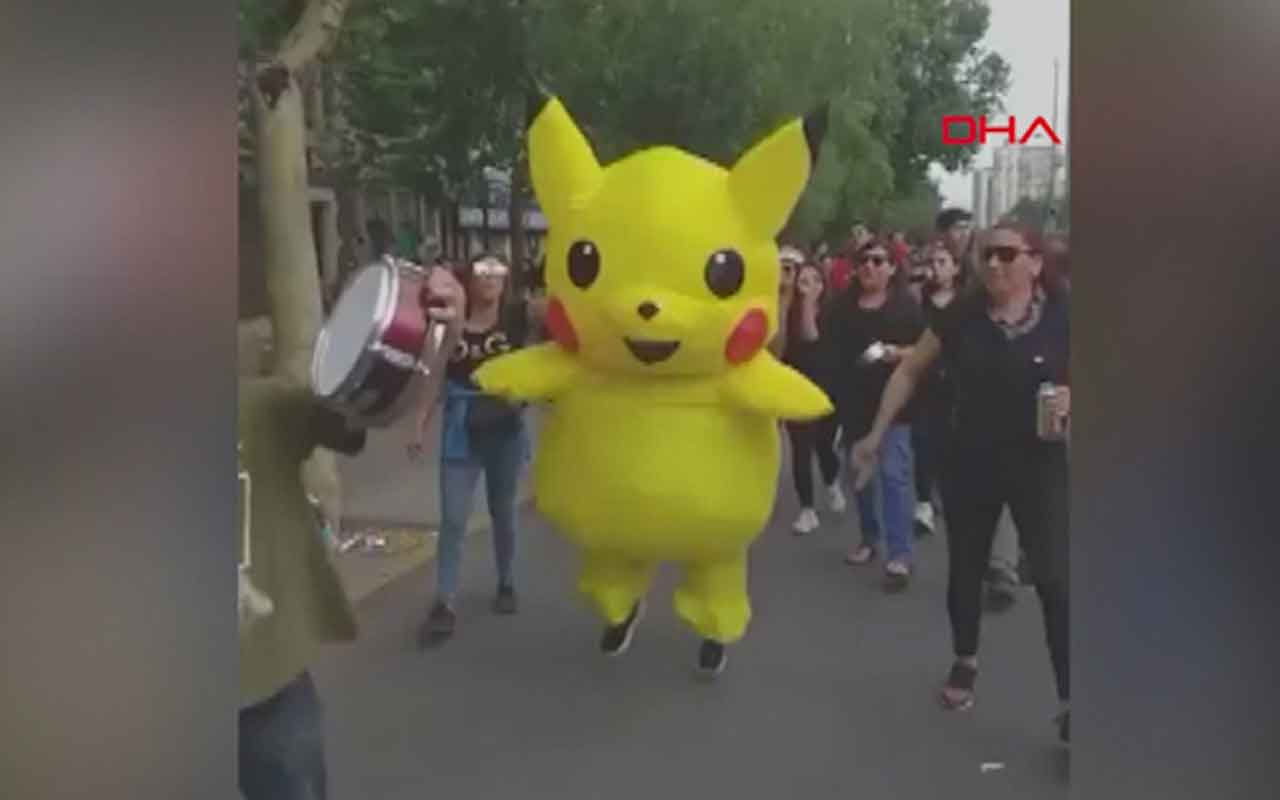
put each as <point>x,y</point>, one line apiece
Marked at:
<point>400,565</point>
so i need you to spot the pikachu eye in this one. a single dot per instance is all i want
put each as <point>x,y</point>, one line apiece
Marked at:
<point>584,263</point>
<point>725,273</point>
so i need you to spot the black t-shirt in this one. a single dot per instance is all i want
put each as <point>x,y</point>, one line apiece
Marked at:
<point>476,347</point>
<point>805,356</point>
<point>847,332</point>
<point>995,377</point>
<point>934,392</point>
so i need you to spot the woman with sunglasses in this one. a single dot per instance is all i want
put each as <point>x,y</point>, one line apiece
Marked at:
<point>868,331</point>
<point>815,438</point>
<point>480,434</point>
<point>1006,349</point>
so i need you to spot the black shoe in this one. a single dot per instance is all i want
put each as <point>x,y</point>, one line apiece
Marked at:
<point>1064,726</point>
<point>617,638</point>
<point>711,658</point>
<point>440,625</point>
<point>504,602</point>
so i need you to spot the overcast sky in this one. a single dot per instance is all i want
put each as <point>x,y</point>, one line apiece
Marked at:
<point>1029,34</point>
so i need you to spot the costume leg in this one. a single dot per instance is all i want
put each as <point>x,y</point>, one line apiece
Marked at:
<point>713,600</point>
<point>614,583</point>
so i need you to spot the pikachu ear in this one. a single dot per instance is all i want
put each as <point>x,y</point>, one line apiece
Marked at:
<point>767,181</point>
<point>562,165</point>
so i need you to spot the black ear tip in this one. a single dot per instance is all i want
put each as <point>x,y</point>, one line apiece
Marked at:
<point>815,128</point>
<point>536,99</point>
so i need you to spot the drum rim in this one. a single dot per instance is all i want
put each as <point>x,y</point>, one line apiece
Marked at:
<point>388,289</point>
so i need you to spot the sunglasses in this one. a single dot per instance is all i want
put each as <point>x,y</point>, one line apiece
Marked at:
<point>874,260</point>
<point>489,269</point>
<point>1005,254</point>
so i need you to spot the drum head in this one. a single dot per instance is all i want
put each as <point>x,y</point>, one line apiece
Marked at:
<point>356,321</point>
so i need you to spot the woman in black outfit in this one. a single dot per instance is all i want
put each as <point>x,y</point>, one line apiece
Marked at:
<point>943,282</point>
<point>999,344</point>
<point>817,437</point>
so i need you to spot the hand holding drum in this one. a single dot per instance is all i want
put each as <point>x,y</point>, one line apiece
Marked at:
<point>388,334</point>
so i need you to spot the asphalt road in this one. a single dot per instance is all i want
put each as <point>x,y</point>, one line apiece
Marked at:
<point>831,695</point>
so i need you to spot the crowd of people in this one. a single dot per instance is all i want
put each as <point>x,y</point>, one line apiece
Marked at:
<point>936,356</point>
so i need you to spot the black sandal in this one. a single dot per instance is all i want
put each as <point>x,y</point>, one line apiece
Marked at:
<point>961,679</point>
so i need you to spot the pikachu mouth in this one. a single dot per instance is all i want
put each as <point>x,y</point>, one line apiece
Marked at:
<point>649,351</point>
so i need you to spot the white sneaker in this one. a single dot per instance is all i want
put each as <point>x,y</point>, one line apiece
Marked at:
<point>835,498</point>
<point>807,522</point>
<point>924,517</point>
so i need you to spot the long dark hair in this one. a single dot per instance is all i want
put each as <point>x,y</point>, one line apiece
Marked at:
<point>792,317</point>
<point>963,267</point>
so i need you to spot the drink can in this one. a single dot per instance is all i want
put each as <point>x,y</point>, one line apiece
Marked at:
<point>1050,427</point>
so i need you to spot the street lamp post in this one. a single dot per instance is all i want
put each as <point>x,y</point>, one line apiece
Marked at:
<point>1051,215</point>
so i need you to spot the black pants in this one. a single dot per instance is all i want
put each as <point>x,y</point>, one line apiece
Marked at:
<point>928,437</point>
<point>808,438</point>
<point>924,443</point>
<point>1032,480</point>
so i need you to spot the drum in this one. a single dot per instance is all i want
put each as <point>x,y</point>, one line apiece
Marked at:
<point>377,347</point>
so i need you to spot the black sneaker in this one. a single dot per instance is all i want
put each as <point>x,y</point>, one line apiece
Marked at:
<point>711,658</point>
<point>617,638</point>
<point>504,602</point>
<point>440,625</point>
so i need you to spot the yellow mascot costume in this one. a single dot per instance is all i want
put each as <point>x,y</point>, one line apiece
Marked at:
<point>661,441</point>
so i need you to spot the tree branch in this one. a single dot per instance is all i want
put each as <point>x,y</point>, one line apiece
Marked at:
<point>314,34</point>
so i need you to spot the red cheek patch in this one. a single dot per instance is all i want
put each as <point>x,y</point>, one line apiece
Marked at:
<point>559,326</point>
<point>748,337</point>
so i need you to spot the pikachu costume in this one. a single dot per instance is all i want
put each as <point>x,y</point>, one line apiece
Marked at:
<point>661,441</point>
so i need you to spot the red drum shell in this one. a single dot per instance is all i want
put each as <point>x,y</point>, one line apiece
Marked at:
<point>387,374</point>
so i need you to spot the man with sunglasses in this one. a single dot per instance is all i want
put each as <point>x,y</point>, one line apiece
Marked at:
<point>867,332</point>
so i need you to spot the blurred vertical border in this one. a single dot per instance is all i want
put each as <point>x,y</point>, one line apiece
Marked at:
<point>118,245</point>
<point>1175,252</point>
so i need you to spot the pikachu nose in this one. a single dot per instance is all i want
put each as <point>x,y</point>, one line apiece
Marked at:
<point>647,310</point>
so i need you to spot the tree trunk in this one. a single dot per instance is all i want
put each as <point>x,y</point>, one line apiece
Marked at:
<point>289,253</point>
<point>515,215</point>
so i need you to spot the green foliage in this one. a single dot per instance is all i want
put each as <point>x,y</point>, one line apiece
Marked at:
<point>433,91</point>
<point>936,67</point>
<point>912,211</point>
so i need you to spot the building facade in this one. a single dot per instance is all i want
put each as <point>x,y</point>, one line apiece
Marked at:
<point>1020,172</point>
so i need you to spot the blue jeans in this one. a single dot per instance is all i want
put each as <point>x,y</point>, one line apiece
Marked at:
<point>282,745</point>
<point>887,504</point>
<point>500,459</point>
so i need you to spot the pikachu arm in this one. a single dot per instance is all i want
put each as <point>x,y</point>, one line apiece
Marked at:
<point>537,373</point>
<point>766,386</point>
